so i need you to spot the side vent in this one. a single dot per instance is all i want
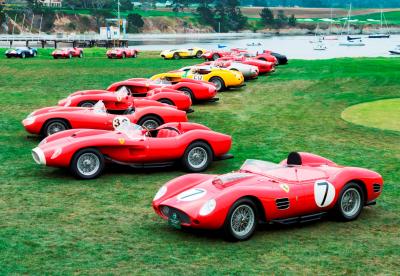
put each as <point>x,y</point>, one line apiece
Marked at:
<point>377,188</point>
<point>282,203</point>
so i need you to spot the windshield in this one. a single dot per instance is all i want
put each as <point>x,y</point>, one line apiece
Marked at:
<point>161,81</point>
<point>121,93</point>
<point>259,166</point>
<point>99,108</point>
<point>124,125</point>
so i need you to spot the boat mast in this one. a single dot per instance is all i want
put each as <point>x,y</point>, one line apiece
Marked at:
<point>348,21</point>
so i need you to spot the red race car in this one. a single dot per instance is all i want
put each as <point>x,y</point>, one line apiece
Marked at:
<point>197,90</point>
<point>215,54</point>
<point>263,66</point>
<point>122,53</point>
<point>67,53</point>
<point>123,99</point>
<point>301,188</point>
<point>85,151</point>
<point>50,120</point>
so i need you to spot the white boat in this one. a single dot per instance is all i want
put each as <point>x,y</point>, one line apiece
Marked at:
<point>320,47</point>
<point>350,41</point>
<point>383,32</point>
<point>395,51</point>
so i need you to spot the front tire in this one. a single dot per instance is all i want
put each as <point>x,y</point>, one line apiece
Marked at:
<point>86,104</point>
<point>54,126</point>
<point>197,157</point>
<point>241,221</point>
<point>199,54</point>
<point>350,202</point>
<point>69,55</point>
<point>215,56</point>
<point>80,55</point>
<point>87,163</point>
<point>176,56</point>
<point>218,82</point>
<point>123,55</point>
<point>23,55</point>
<point>150,122</point>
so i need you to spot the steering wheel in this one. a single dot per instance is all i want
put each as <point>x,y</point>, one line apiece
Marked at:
<point>171,128</point>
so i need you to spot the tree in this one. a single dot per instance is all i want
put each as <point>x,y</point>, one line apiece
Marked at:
<point>292,21</point>
<point>135,22</point>
<point>267,17</point>
<point>281,19</point>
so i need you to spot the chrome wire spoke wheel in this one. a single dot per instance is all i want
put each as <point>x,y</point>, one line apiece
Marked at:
<point>217,83</point>
<point>88,164</point>
<point>55,127</point>
<point>197,157</point>
<point>242,220</point>
<point>351,202</point>
<point>87,104</point>
<point>150,124</point>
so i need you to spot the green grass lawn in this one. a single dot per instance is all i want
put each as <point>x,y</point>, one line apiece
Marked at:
<point>383,114</point>
<point>53,224</point>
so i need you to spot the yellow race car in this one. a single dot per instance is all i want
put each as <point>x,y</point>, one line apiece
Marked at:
<point>183,53</point>
<point>222,78</point>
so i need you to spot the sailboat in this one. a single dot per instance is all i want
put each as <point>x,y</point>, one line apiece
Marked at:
<point>395,51</point>
<point>330,36</point>
<point>381,34</point>
<point>351,41</point>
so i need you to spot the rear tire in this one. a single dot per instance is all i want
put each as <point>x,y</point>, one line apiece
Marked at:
<point>218,82</point>
<point>23,55</point>
<point>80,55</point>
<point>123,55</point>
<point>87,163</point>
<point>150,122</point>
<point>241,221</point>
<point>215,56</point>
<point>188,92</point>
<point>54,126</point>
<point>350,202</point>
<point>69,55</point>
<point>199,54</point>
<point>176,56</point>
<point>197,157</point>
<point>86,104</point>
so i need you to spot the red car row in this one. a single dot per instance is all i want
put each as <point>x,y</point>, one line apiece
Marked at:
<point>120,53</point>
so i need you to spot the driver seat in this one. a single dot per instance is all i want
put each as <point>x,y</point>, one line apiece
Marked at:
<point>167,133</point>
<point>294,158</point>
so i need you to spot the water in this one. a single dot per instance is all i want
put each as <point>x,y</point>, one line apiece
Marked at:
<point>295,47</point>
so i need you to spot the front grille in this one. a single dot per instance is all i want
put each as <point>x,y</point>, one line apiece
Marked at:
<point>282,203</point>
<point>377,188</point>
<point>168,211</point>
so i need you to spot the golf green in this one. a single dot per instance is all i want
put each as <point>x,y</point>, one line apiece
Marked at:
<point>383,114</point>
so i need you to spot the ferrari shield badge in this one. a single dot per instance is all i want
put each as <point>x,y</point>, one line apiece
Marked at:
<point>121,141</point>
<point>285,187</point>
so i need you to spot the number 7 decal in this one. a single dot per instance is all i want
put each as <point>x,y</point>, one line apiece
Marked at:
<point>324,193</point>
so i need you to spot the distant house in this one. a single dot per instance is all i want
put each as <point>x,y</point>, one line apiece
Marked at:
<point>51,3</point>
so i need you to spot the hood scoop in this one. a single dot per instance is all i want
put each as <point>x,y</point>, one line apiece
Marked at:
<point>229,179</point>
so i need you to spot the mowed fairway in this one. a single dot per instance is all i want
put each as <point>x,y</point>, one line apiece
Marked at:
<point>51,223</point>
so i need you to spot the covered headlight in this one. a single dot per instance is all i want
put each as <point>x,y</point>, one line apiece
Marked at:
<point>38,156</point>
<point>29,120</point>
<point>161,192</point>
<point>68,103</point>
<point>208,207</point>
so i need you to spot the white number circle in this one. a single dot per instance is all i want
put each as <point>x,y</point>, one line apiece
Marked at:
<point>324,193</point>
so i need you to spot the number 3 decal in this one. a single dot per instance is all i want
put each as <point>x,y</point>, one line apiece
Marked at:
<point>324,193</point>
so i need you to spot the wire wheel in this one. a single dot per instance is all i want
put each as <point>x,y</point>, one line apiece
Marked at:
<point>199,54</point>
<point>242,220</point>
<point>176,56</point>
<point>219,85</point>
<point>351,202</point>
<point>69,55</point>
<point>215,56</point>
<point>197,157</point>
<point>86,104</point>
<point>22,55</point>
<point>150,124</point>
<point>55,127</point>
<point>88,164</point>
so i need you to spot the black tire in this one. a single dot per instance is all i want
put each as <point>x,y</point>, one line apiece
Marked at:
<point>166,101</point>
<point>263,59</point>
<point>339,212</point>
<point>199,54</point>
<point>150,122</point>
<point>55,57</point>
<point>23,55</point>
<point>219,83</point>
<point>123,55</point>
<point>34,53</point>
<point>80,54</point>
<point>134,55</point>
<point>204,148</point>
<point>95,155</point>
<point>176,56</point>
<point>54,126</point>
<point>86,104</point>
<point>215,56</point>
<point>69,55</point>
<point>188,92</point>
<point>230,233</point>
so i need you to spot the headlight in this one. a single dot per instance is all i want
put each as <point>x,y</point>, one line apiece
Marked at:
<point>29,120</point>
<point>208,207</point>
<point>161,192</point>
<point>56,153</point>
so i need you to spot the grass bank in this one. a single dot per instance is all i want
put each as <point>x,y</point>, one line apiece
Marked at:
<point>52,223</point>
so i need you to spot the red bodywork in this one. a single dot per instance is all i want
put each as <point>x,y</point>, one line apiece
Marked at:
<point>122,53</point>
<point>130,148</point>
<point>68,53</point>
<point>81,117</point>
<point>265,56</point>
<point>266,183</point>
<point>215,54</point>
<point>113,101</point>
<point>200,90</point>
<point>263,66</point>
